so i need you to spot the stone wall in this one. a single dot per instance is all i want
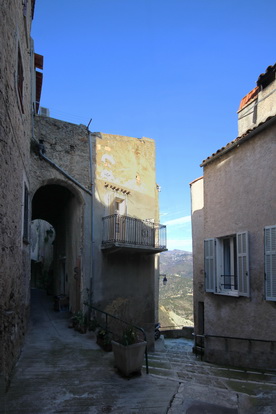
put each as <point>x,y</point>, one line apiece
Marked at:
<point>15,135</point>
<point>63,179</point>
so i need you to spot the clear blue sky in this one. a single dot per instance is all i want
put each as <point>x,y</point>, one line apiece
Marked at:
<point>171,70</point>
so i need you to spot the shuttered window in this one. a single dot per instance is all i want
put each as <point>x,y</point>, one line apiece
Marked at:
<point>210,264</point>
<point>270,262</point>
<point>242,264</point>
<point>226,265</point>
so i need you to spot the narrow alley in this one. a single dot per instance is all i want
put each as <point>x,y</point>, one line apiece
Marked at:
<point>63,371</point>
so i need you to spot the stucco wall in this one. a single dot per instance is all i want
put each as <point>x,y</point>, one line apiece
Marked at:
<point>239,195</point>
<point>15,133</point>
<point>125,169</point>
<point>258,110</point>
<point>197,210</point>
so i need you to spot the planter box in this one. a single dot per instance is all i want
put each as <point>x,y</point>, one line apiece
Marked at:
<point>129,359</point>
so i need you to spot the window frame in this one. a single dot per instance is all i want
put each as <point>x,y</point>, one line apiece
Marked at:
<point>20,79</point>
<point>270,262</point>
<point>214,264</point>
<point>25,214</point>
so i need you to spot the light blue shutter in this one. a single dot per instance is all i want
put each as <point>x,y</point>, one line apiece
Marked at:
<point>210,264</point>
<point>243,263</point>
<point>270,262</point>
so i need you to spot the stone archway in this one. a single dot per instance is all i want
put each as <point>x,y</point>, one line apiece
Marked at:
<point>59,206</point>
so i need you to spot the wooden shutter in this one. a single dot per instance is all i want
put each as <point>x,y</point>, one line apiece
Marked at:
<point>270,262</point>
<point>210,264</point>
<point>243,263</point>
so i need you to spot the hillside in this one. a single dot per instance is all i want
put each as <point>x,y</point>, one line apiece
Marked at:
<point>176,298</point>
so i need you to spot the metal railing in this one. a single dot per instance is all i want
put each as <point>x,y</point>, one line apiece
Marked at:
<point>200,340</point>
<point>229,281</point>
<point>129,230</point>
<point>115,327</point>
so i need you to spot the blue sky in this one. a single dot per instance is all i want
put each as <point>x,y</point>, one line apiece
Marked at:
<point>171,70</point>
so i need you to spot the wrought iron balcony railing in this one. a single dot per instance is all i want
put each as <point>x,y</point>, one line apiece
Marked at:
<point>126,231</point>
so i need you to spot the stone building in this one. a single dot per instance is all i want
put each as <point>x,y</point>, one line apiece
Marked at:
<point>99,193</point>
<point>234,239</point>
<point>95,194</point>
<point>18,101</point>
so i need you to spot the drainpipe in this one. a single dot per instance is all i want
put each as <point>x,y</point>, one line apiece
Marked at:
<point>92,256</point>
<point>41,154</point>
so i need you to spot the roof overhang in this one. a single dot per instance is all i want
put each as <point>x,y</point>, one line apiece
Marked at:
<point>249,134</point>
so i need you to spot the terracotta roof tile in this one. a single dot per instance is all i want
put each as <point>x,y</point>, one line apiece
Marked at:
<point>249,97</point>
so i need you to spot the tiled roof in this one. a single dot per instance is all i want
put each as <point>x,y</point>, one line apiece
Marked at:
<point>249,97</point>
<point>235,142</point>
<point>269,69</point>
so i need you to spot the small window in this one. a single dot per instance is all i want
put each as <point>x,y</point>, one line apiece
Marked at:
<point>226,265</point>
<point>120,206</point>
<point>20,78</point>
<point>26,214</point>
<point>270,262</point>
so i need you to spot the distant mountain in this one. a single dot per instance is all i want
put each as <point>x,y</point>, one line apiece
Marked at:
<point>176,298</point>
<point>177,262</point>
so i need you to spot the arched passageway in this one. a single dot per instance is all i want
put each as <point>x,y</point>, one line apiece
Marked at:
<point>61,209</point>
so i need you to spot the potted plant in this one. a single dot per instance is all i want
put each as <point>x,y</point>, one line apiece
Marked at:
<point>104,340</point>
<point>79,322</point>
<point>129,352</point>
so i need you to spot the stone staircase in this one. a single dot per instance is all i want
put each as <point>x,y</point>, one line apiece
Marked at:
<point>175,360</point>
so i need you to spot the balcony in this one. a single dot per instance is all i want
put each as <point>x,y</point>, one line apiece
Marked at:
<point>125,233</point>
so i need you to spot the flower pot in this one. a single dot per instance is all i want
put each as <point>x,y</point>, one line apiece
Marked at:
<point>129,359</point>
<point>106,346</point>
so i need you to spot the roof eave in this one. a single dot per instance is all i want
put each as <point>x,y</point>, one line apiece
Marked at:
<point>270,121</point>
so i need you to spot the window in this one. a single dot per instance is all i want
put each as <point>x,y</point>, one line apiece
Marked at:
<point>120,206</point>
<point>270,262</point>
<point>226,265</point>
<point>26,214</point>
<point>20,78</point>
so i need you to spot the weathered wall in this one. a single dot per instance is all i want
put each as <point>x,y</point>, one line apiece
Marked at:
<point>67,147</point>
<point>258,110</point>
<point>15,134</point>
<point>197,209</point>
<point>239,195</point>
<point>125,169</point>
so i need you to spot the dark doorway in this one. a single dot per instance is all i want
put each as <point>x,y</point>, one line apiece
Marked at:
<point>59,207</point>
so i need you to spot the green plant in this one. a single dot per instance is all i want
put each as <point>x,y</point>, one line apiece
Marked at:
<point>105,336</point>
<point>79,320</point>
<point>129,336</point>
<point>104,340</point>
<point>93,325</point>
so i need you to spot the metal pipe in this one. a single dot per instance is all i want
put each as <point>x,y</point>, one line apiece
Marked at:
<point>92,256</point>
<point>63,172</point>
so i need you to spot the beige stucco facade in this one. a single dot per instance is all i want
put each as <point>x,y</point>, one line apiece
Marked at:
<point>239,198</point>
<point>125,181</point>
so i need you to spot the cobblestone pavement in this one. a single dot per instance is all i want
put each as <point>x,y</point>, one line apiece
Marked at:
<point>62,371</point>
